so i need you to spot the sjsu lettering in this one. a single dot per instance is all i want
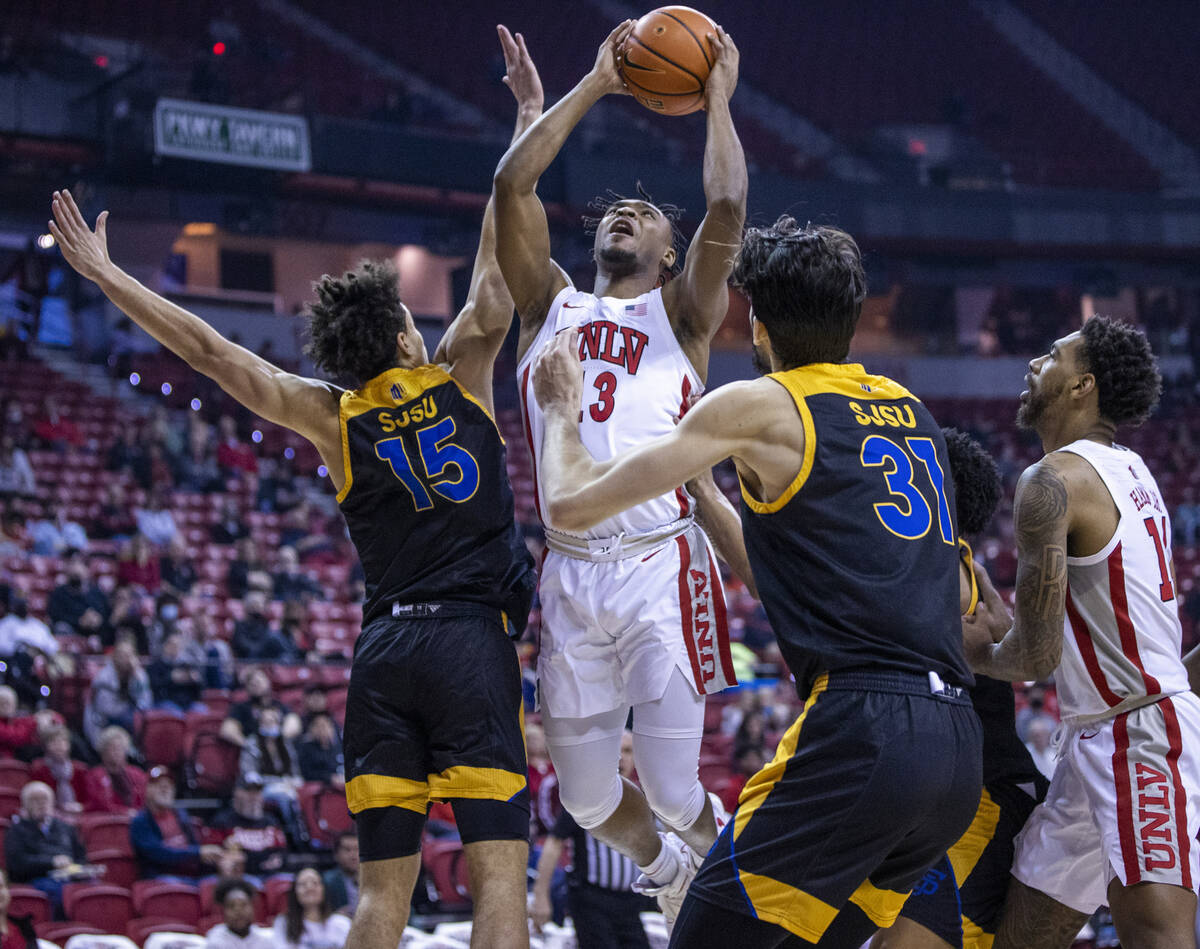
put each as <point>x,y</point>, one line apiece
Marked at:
<point>424,410</point>
<point>1154,817</point>
<point>612,343</point>
<point>894,416</point>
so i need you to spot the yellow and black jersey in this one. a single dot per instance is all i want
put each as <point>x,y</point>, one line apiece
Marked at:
<point>857,561</point>
<point>427,498</point>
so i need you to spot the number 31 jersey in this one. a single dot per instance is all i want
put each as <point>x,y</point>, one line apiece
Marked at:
<point>427,499</point>
<point>636,383</point>
<point>857,561</point>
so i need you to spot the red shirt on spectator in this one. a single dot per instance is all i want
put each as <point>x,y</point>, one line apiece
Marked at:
<point>172,830</point>
<point>146,575</point>
<point>237,456</point>
<point>102,793</point>
<point>40,771</point>
<point>58,430</point>
<point>17,732</point>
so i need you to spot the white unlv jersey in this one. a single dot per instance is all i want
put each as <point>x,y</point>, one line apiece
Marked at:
<point>1122,636</point>
<point>636,380</point>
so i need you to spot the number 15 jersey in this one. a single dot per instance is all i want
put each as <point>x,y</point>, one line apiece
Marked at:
<point>636,382</point>
<point>857,561</point>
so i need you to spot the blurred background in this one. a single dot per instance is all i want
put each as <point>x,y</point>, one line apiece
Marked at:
<point>1009,167</point>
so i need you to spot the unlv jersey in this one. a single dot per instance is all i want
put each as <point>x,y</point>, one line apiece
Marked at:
<point>1122,636</point>
<point>636,383</point>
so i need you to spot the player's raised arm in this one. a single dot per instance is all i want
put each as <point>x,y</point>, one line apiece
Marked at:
<point>523,248</point>
<point>307,406</point>
<point>579,492</point>
<point>696,301</point>
<point>472,341</point>
<point>1032,648</point>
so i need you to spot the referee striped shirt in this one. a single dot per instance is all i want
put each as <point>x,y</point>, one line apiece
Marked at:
<point>594,864</point>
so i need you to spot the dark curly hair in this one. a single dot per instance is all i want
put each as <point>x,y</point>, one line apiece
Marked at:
<point>1127,378</point>
<point>806,285</point>
<point>353,322</point>
<point>976,481</point>
<point>672,212</point>
<point>233,885</point>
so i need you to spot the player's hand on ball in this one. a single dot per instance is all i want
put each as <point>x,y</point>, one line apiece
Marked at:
<point>722,80</point>
<point>84,249</point>
<point>605,70</point>
<point>521,75</point>
<point>994,609</point>
<point>977,639</point>
<point>558,375</point>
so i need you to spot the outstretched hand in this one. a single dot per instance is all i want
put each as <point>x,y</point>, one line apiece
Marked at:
<point>521,75</point>
<point>84,249</point>
<point>558,374</point>
<point>723,77</point>
<point>606,70</point>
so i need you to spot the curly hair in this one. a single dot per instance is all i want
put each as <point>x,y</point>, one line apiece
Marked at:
<point>233,885</point>
<point>353,322</point>
<point>806,285</point>
<point>672,212</point>
<point>1128,382</point>
<point>976,481</point>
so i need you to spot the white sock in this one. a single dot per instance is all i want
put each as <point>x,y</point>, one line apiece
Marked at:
<point>663,868</point>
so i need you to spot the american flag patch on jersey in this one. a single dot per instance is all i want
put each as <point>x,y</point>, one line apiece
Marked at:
<point>636,309</point>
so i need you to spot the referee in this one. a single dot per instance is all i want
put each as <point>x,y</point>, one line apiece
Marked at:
<point>599,896</point>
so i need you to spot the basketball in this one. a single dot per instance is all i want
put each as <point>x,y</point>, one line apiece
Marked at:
<point>666,59</point>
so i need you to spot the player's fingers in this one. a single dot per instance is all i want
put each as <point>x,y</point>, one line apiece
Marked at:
<point>73,210</point>
<point>522,47</point>
<point>102,225</point>
<point>63,216</point>
<point>57,234</point>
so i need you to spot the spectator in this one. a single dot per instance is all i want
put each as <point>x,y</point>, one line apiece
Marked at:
<point>230,526</point>
<point>1037,740</point>
<point>235,457</point>
<point>294,625</point>
<point>749,763</point>
<point>253,636</point>
<point>278,491</point>
<point>17,730</point>
<point>175,683</point>
<point>247,570</point>
<point>237,931</point>
<point>114,519</point>
<point>16,932</point>
<point>310,922</point>
<point>59,771</point>
<point>14,539</point>
<point>258,834</point>
<point>244,716</point>
<point>119,690</point>
<point>78,605</point>
<point>162,836</point>
<point>127,456</point>
<point>166,621</point>
<point>138,566</point>
<point>56,534</point>
<point>543,782</point>
<point>1187,518</point>
<point>20,632</point>
<point>54,430</point>
<point>155,521</point>
<point>341,882</point>
<point>1035,707</point>
<point>165,434</point>
<point>114,786</point>
<point>38,843</point>
<point>16,473</point>
<point>159,476</point>
<point>217,656</point>
<point>320,753</point>
<point>125,621</point>
<point>13,422</point>
<point>176,569</point>
<point>297,532</point>
<point>290,583</point>
<point>316,702</point>
<point>274,759</point>
<point>198,470</point>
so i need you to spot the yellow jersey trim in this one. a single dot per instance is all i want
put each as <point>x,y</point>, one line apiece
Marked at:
<point>842,378</point>
<point>881,906</point>
<point>796,911</point>
<point>967,558</point>
<point>975,936</point>
<point>970,846</point>
<point>486,784</point>
<point>810,452</point>
<point>382,790</point>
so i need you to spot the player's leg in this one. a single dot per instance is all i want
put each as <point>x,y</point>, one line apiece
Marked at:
<point>384,898</point>
<point>931,916</point>
<point>1152,915</point>
<point>498,877</point>
<point>666,751</point>
<point>1033,920</point>
<point>907,934</point>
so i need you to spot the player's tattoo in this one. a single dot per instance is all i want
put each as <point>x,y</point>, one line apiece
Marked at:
<point>1033,647</point>
<point>1033,920</point>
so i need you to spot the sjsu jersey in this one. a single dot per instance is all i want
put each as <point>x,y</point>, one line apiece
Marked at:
<point>636,381</point>
<point>1122,636</point>
<point>857,561</point>
<point>427,498</point>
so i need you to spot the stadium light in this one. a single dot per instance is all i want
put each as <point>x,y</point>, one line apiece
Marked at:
<point>196,403</point>
<point>45,241</point>
<point>134,378</point>
<point>166,388</point>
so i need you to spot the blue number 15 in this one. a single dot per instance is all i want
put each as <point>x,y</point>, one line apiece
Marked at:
<point>911,515</point>
<point>438,454</point>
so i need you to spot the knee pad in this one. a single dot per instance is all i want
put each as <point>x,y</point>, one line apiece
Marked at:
<point>676,805</point>
<point>591,803</point>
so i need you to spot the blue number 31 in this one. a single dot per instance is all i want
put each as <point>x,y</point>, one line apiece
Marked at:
<point>911,515</point>
<point>438,453</point>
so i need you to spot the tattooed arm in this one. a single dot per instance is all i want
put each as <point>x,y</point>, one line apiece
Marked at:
<point>1033,647</point>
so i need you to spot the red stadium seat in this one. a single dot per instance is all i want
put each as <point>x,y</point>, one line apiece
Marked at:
<point>162,737</point>
<point>108,908</point>
<point>212,765</point>
<point>179,901</point>
<point>13,774</point>
<point>10,800</point>
<point>108,832</point>
<point>275,891</point>
<point>120,866</point>
<point>59,933</point>
<point>325,812</point>
<point>447,868</point>
<point>199,723</point>
<point>28,901</point>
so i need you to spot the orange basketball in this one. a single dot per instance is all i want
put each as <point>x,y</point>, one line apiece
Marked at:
<point>666,59</point>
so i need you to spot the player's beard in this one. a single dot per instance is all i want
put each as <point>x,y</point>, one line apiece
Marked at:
<point>1033,409</point>
<point>617,261</point>
<point>760,360</point>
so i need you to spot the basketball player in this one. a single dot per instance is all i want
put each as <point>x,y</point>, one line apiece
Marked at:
<point>419,468</point>
<point>632,608</point>
<point>1095,605</point>
<point>958,904</point>
<point>847,517</point>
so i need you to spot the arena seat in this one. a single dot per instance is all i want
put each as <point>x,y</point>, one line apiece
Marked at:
<point>325,812</point>
<point>212,764</point>
<point>108,908</point>
<point>60,932</point>
<point>161,736</point>
<point>120,866</point>
<point>161,898</point>
<point>105,832</point>
<point>14,774</point>
<point>29,901</point>
<point>447,868</point>
<point>274,893</point>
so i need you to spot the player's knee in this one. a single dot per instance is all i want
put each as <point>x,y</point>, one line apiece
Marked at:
<point>676,804</point>
<point>591,805</point>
